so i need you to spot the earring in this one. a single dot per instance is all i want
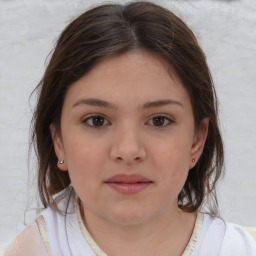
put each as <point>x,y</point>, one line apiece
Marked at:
<point>61,162</point>
<point>193,160</point>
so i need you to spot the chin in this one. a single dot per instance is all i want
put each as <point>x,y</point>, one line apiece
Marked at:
<point>128,217</point>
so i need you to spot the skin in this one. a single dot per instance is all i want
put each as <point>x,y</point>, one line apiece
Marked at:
<point>131,139</point>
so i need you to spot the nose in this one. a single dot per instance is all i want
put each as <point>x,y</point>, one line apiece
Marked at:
<point>128,146</point>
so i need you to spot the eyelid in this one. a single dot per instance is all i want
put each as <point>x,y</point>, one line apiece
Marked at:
<point>90,116</point>
<point>167,117</point>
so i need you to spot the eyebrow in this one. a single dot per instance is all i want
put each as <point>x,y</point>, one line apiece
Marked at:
<point>105,104</point>
<point>95,102</point>
<point>159,103</point>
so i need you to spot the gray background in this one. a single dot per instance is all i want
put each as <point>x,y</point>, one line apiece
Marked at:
<point>227,33</point>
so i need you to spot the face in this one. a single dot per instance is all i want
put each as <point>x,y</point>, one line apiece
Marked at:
<point>128,138</point>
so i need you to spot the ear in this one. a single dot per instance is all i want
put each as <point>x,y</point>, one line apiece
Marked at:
<point>199,141</point>
<point>58,148</point>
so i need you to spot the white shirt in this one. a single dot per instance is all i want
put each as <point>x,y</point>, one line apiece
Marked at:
<point>66,235</point>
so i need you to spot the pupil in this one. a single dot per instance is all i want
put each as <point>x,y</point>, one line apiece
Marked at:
<point>98,121</point>
<point>158,121</point>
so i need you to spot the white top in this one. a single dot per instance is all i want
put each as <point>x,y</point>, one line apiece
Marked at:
<point>66,235</point>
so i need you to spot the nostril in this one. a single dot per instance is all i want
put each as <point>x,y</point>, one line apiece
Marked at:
<point>135,159</point>
<point>128,154</point>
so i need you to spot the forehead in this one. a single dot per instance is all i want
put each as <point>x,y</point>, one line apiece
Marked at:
<point>131,77</point>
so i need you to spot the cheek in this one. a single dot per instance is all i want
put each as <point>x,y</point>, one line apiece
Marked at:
<point>83,150</point>
<point>85,167</point>
<point>85,160</point>
<point>172,154</point>
<point>171,161</point>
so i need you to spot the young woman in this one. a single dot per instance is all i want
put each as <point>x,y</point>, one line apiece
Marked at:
<point>128,144</point>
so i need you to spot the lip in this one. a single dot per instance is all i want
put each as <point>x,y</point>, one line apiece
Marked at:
<point>128,183</point>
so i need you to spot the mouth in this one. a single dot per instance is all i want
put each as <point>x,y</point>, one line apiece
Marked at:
<point>128,184</point>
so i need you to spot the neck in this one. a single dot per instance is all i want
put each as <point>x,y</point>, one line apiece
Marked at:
<point>165,234</point>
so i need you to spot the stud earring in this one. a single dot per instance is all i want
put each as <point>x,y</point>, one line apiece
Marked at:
<point>193,160</point>
<point>61,162</point>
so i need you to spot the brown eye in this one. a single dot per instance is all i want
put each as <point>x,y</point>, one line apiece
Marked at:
<point>160,121</point>
<point>96,121</point>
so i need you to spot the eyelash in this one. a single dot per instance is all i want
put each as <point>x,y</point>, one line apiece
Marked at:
<point>166,119</point>
<point>90,119</point>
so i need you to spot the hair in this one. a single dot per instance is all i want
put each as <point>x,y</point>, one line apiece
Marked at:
<point>110,30</point>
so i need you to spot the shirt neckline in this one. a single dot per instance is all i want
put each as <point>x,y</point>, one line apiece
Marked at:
<point>98,251</point>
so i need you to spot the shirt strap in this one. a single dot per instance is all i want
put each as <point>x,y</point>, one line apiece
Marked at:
<point>42,229</point>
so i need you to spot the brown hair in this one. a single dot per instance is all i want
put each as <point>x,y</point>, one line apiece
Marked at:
<point>113,29</point>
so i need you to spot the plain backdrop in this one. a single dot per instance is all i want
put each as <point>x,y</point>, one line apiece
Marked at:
<point>226,31</point>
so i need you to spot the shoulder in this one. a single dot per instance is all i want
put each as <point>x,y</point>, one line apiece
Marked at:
<point>252,231</point>
<point>218,237</point>
<point>229,229</point>
<point>240,231</point>
<point>28,242</point>
<point>238,240</point>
